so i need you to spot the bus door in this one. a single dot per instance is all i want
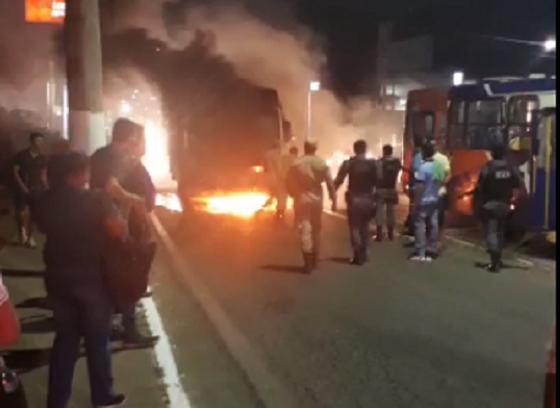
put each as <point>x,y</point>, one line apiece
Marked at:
<point>543,195</point>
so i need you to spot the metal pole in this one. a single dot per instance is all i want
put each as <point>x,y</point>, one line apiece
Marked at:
<point>84,71</point>
<point>308,115</point>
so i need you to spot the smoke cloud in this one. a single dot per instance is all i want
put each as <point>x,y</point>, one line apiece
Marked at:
<point>201,56</point>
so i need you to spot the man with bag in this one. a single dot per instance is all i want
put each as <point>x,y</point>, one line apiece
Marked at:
<point>388,169</point>
<point>495,189</point>
<point>76,286</point>
<point>360,199</point>
<point>127,263</point>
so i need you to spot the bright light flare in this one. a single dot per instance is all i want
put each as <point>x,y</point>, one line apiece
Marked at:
<point>258,169</point>
<point>243,205</point>
<point>550,45</point>
<point>169,201</point>
<point>156,159</point>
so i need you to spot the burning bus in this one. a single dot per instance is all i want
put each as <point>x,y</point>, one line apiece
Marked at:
<point>219,157</point>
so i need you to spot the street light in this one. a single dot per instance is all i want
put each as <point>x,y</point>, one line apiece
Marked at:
<point>458,78</point>
<point>550,45</point>
<point>314,86</point>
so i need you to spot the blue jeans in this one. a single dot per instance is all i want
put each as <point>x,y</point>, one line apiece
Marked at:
<point>80,311</point>
<point>426,214</point>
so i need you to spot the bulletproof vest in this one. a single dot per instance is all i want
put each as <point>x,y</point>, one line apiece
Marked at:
<point>389,168</point>
<point>361,176</point>
<point>500,182</point>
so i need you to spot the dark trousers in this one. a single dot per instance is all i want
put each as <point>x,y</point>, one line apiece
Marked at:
<point>495,235</point>
<point>80,312</point>
<point>360,213</point>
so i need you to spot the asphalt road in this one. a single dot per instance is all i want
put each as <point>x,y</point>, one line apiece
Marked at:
<point>248,330</point>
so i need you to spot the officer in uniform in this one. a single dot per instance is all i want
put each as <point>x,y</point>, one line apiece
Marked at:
<point>495,189</point>
<point>305,183</point>
<point>360,198</point>
<point>388,169</point>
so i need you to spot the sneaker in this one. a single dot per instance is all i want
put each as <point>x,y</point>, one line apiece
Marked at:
<point>418,258</point>
<point>493,268</point>
<point>30,243</point>
<point>117,401</point>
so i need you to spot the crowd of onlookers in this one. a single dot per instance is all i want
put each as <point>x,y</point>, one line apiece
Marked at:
<point>94,214</point>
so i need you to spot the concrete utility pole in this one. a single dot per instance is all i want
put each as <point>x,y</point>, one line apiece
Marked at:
<point>84,71</point>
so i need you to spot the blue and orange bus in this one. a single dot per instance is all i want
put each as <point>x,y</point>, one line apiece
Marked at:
<point>466,120</point>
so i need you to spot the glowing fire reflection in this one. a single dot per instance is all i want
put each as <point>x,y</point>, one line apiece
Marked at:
<point>243,205</point>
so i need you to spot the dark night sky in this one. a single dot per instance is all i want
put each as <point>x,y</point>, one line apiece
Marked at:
<point>347,28</point>
<point>350,26</point>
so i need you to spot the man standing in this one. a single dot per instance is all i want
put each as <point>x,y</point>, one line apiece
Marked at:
<point>443,174</point>
<point>30,180</point>
<point>76,287</point>
<point>277,166</point>
<point>388,169</point>
<point>426,197</point>
<point>308,175</point>
<point>360,198</point>
<point>494,192</point>
<point>110,167</point>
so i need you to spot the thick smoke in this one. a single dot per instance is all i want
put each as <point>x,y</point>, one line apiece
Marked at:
<point>206,55</point>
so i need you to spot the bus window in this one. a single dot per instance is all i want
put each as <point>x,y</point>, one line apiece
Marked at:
<point>520,112</point>
<point>422,126</point>
<point>457,124</point>
<point>485,124</point>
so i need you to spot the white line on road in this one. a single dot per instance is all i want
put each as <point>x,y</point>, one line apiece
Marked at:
<point>271,391</point>
<point>175,392</point>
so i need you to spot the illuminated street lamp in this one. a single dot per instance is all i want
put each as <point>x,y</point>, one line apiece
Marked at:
<point>314,86</point>
<point>550,45</point>
<point>458,78</point>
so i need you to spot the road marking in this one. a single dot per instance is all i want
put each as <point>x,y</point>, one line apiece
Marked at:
<point>175,392</point>
<point>269,389</point>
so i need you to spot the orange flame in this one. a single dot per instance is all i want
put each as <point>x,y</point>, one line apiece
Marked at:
<point>243,204</point>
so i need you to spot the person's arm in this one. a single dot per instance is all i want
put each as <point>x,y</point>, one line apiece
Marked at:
<point>17,176</point>
<point>419,186</point>
<point>331,189</point>
<point>342,174</point>
<point>122,196</point>
<point>114,224</point>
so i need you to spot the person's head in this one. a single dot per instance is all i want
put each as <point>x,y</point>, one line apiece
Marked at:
<point>36,141</point>
<point>387,151</point>
<point>360,147</point>
<point>69,169</point>
<point>498,151</point>
<point>125,135</point>
<point>294,151</point>
<point>310,147</point>
<point>428,150</point>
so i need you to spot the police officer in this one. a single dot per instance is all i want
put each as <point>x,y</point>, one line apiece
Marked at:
<point>305,183</point>
<point>360,198</point>
<point>495,189</point>
<point>388,169</point>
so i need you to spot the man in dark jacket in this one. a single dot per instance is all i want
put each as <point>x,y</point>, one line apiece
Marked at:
<point>494,192</point>
<point>75,283</point>
<point>388,169</point>
<point>360,198</point>
<point>114,170</point>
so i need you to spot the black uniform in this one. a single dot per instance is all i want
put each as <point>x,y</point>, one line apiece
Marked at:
<point>360,199</point>
<point>495,189</point>
<point>387,196</point>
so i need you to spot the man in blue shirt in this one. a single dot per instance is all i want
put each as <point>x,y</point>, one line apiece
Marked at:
<point>426,198</point>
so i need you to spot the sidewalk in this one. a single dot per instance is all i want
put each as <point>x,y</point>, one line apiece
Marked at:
<point>135,372</point>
